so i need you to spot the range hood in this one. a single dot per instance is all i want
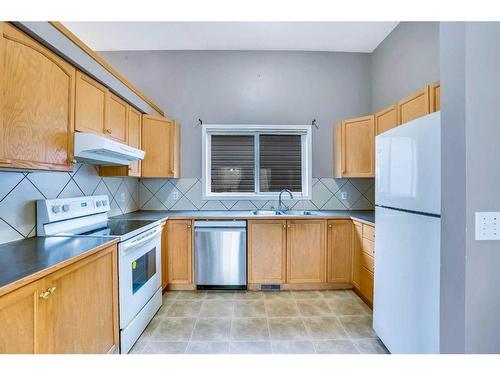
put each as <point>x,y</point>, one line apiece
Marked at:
<point>97,149</point>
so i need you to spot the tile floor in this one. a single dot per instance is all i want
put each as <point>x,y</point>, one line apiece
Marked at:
<point>301,322</point>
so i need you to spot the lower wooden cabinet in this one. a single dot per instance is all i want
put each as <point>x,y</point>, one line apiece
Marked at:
<point>339,251</point>
<point>73,310</point>
<point>306,251</point>
<point>179,253</point>
<point>363,260</point>
<point>267,251</point>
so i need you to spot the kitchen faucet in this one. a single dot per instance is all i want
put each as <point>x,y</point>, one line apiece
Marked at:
<point>280,203</point>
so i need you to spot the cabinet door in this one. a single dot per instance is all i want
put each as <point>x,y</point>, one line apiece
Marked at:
<point>134,138</point>
<point>117,121</point>
<point>339,256</point>
<point>160,141</point>
<point>91,109</point>
<point>19,323</point>
<point>306,251</point>
<point>357,238</point>
<point>37,104</point>
<point>414,106</point>
<point>81,314</point>
<point>266,251</point>
<point>386,119</point>
<point>358,137</point>
<point>179,252</point>
<point>435,97</point>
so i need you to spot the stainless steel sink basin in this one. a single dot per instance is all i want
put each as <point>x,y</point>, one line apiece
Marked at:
<point>299,213</point>
<point>283,213</point>
<point>267,213</point>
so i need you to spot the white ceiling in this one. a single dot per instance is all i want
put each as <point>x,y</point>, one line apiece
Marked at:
<point>254,36</point>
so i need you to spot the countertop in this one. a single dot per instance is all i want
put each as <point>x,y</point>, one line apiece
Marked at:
<point>365,215</point>
<point>27,260</point>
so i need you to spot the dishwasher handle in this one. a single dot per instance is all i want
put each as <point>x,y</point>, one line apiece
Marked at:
<point>220,224</point>
<point>219,230</point>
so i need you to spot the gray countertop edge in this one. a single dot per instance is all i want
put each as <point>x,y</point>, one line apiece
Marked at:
<point>363,215</point>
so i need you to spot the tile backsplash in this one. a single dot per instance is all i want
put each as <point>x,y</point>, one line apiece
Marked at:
<point>20,190</point>
<point>186,194</point>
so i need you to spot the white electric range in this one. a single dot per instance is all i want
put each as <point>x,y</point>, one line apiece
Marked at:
<point>139,254</point>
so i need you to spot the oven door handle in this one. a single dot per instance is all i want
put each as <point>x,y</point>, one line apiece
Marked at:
<point>142,239</point>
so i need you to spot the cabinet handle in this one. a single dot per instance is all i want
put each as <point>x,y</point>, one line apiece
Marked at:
<point>47,293</point>
<point>284,226</point>
<point>109,131</point>
<point>189,226</point>
<point>329,225</point>
<point>289,226</point>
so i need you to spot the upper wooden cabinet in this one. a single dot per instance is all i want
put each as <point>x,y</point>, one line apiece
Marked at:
<point>339,256</point>
<point>36,104</point>
<point>134,138</point>
<point>414,106</point>
<point>386,119</point>
<point>117,124</point>
<point>72,310</point>
<point>306,251</point>
<point>92,107</point>
<point>353,148</point>
<point>179,252</point>
<point>160,141</point>
<point>435,96</point>
<point>267,251</point>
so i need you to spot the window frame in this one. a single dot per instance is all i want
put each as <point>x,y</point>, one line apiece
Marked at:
<point>232,129</point>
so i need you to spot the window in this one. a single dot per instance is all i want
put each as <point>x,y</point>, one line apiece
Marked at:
<point>256,161</point>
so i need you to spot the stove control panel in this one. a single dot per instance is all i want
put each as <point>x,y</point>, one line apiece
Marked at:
<point>52,210</point>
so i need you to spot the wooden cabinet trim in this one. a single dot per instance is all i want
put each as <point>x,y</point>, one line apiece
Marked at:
<point>435,96</point>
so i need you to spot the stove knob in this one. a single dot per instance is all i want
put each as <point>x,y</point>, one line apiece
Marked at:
<point>65,207</point>
<point>56,209</point>
<point>104,203</point>
<point>98,203</point>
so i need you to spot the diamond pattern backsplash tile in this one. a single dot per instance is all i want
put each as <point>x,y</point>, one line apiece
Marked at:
<point>186,194</point>
<point>20,190</point>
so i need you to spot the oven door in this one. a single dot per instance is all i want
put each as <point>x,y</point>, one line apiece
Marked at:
<point>139,273</point>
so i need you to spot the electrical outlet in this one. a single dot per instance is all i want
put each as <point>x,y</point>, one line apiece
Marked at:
<point>175,195</point>
<point>487,226</point>
<point>122,197</point>
<point>343,195</point>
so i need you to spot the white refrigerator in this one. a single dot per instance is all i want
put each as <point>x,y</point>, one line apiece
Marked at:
<point>407,241</point>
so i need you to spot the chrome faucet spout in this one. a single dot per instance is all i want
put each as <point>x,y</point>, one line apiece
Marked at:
<point>280,203</point>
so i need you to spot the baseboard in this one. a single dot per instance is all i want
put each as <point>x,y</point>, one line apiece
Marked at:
<point>308,286</point>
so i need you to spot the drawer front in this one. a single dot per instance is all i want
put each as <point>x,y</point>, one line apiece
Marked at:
<point>368,246</point>
<point>368,232</point>
<point>366,261</point>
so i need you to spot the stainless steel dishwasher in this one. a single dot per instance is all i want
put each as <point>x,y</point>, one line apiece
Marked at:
<point>220,254</point>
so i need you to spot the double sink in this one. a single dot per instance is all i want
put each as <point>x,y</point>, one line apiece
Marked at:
<point>283,213</point>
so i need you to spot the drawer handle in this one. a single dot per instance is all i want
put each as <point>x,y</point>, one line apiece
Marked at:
<point>109,131</point>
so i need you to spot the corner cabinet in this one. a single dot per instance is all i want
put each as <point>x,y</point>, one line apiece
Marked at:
<point>72,310</point>
<point>353,148</point>
<point>36,104</point>
<point>339,251</point>
<point>161,142</point>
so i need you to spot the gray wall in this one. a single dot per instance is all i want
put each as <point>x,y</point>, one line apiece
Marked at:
<point>471,179</point>
<point>404,62</point>
<point>251,87</point>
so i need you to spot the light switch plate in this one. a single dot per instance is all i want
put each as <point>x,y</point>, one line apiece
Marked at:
<point>175,195</point>
<point>487,226</point>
